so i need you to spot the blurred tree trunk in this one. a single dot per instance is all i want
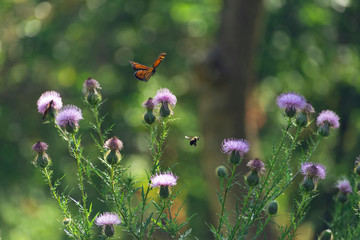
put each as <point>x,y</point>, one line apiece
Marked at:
<point>226,79</point>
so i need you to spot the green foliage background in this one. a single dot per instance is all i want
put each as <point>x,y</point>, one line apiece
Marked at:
<point>309,46</point>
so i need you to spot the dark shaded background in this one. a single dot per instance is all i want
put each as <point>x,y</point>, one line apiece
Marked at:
<point>311,47</point>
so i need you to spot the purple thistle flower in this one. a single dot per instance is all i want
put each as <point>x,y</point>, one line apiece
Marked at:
<point>292,102</point>
<point>256,165</point>
<point>91,84</point>
<point>114,144</point>
<point>149,104</point>
<point>344,186</point>
<point>328,117</point>
<point>46,98</point>
<point>164,96</point>
<point>40,147</point>
<point>107,218</point>
<point>69,115</point>
<point>163,179</point>
<point>313,170</point>
<point>238,145</point>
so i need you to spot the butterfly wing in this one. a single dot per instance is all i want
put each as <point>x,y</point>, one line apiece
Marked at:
<point>159,60</point>
<point>138,66</point>
<point>47,109</point>
<point>144,75</point>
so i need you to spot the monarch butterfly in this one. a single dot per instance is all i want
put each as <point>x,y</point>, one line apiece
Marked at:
<point>143,72</point>
<point>47,109</point>
<point>193,140</point>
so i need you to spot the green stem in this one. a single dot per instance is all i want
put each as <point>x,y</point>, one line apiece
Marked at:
<point>58,199</point>
<point>296,219</point>
<point>228,185</point>
<point>233,233</point>
<point>158,218</point>
<point>95,112</point>
<point>156,147</point>
<point>77,156</point>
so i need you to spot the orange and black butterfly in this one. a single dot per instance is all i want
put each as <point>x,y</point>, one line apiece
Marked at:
<point>143,72</point>
<point>47,109</point>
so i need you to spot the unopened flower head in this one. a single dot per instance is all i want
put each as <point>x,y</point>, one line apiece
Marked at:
<point>328,117</point>
<point>45,100</point>
<point>114,144</point>
<point>164,95</point>
<point>291,102</point>
<point>91,84</point>
<point>149,104</point>
<point>42,160</point>
<point>240,146</point>
<point>163,179</point>
<point>256,165</point>
<point>107,218</point>
<point>40,147</point>
<point>69,117</point>
<point>344,186</point>
<point>313,170</point>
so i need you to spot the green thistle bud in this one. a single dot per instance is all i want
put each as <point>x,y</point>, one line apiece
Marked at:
<point>70,127</point>
<point>358,186</point>
<point>253,179</point>
<point>235,157</point>
<point>165,110</point>
<point>93,97</point>
<point>302,120</point>
<point>164,191</point>
<point>42,160</point>
<point>324,130</point>
<point>109,230</point>
<point>149,117</point>
<point>326,235</point>
<point>221,171</point>
<point>113,157</point>
<point>342,197</point>
<point>273,207</point>
<point>308,184</point>
<point>290,112</point>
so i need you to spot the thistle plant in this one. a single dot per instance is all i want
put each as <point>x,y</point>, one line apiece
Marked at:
<point>140,207</point>
<point>267,180</point>
<point>128,202</point>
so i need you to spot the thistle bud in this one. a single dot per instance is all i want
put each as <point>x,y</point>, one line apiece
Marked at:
<point>149,117</point>
<point>165,110</point>
<point>92,96</point>
<point>302,120</point>
<point>164,191</point>
<point>114,145</point>
<point>308,184</point>
<point>109,230</point>
<point>253,179</point>
<point>221,171</point>
<point>273,207</point>
<point>324,130</point>
<point>235,157</point>
<point>42,160</point>
<point>342,197</point>
<point>326,235</point>
<point>358,186</point>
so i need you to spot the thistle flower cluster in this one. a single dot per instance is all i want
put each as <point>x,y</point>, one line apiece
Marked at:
<point>164,181</point>
<point>113,155</point>
<point>42,160</point>
<point>107,221</point>
<point>167,101</point>
<point>236,148</point>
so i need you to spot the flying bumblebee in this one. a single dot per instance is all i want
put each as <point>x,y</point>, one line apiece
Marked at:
<point>193,140</point>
